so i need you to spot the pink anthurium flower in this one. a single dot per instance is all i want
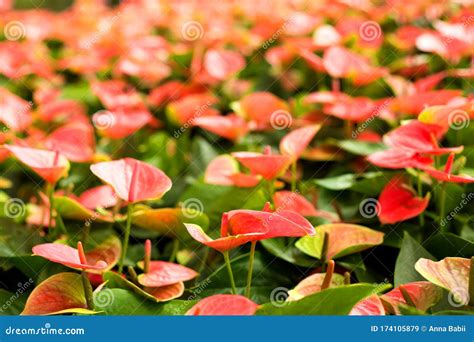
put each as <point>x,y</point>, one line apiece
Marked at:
<point>133,180</point>
<point>102,196</point>
<point>294,143</point>
<point>222,64</point>
<point>266,164</point>
<point>292,201</point>
<point>15,112</point>
<point>224,170</point>
<point>231,127</point>
<point>67,256</point>
<point>418,137</point>
<point>370,306</point>
<point>49,165</point>
<point>399,159</point>
<point>399,203</point>
<point>446,175</point>
<point>223,305</point>
<point>163,273</point>
<point>421,294</point>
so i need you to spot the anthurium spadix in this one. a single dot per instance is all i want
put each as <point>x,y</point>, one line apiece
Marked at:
<point>133,181</point>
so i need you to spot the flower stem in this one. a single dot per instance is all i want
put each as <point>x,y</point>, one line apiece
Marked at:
<point>126,236</point>
<point>229,270</point>
<point>253,244</point>
<point>175,250</point>
<point>50,191</point>
<point>87,290</point>
<point>442,206</point>
<point>204,260</point>
<point>293,176</point>
<point>420,194</point>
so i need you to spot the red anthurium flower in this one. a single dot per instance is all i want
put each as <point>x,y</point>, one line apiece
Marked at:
<point>414,104</point>
<point>446,175</point>
<point>187,109</point>
<point>231,127</point>
<point>67,256</point>
<point>259,107</point>
<point>133,180</point>
<point>418,137</point>
<point>162,273</point>
<point>172,91</point>
<point>399,159</point>
<point>222,64</point>
<point>14,111</point>
<point>224,170</point>
<point>223,305</point>
<point>446,116</point>
<point>399,203</point>
<point>49,165</point>
<point>75,141</point>
<point>266,164</point>
<point>370,306</point>
<point>102,196</point>
<point>121,121</point>
<point>343,63</point>
<point>224,243</point>
<point>116,93</point>
<point>422,295</point>
<point>294,143</point>
<point>292,201</point>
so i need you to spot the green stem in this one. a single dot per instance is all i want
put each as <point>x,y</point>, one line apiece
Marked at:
<point>293,176</point>
<point>442,206</point>
<point>175,250</point>
<point>87,291</point>
<point>126,236</point>
<point>204,260</point>
<point>85,233</point>
<point>271,191</point>
<point>50,191</point>
<point>250,271</point>
<point>229,270</point>
<point>60,224</point>
<point>420,194</point>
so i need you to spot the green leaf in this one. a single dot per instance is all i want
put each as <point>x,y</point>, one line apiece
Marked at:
<point>169,221</point>
<point>443,245</point>
<point>410,252</point>
<point>333,301</point>
<point>17,240</point>
<point>114,280</point>
<point>361,148</point>
<point>370,183</point>
<point>122,302</point>
<point>284,248</point>
<point>11,303</point>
